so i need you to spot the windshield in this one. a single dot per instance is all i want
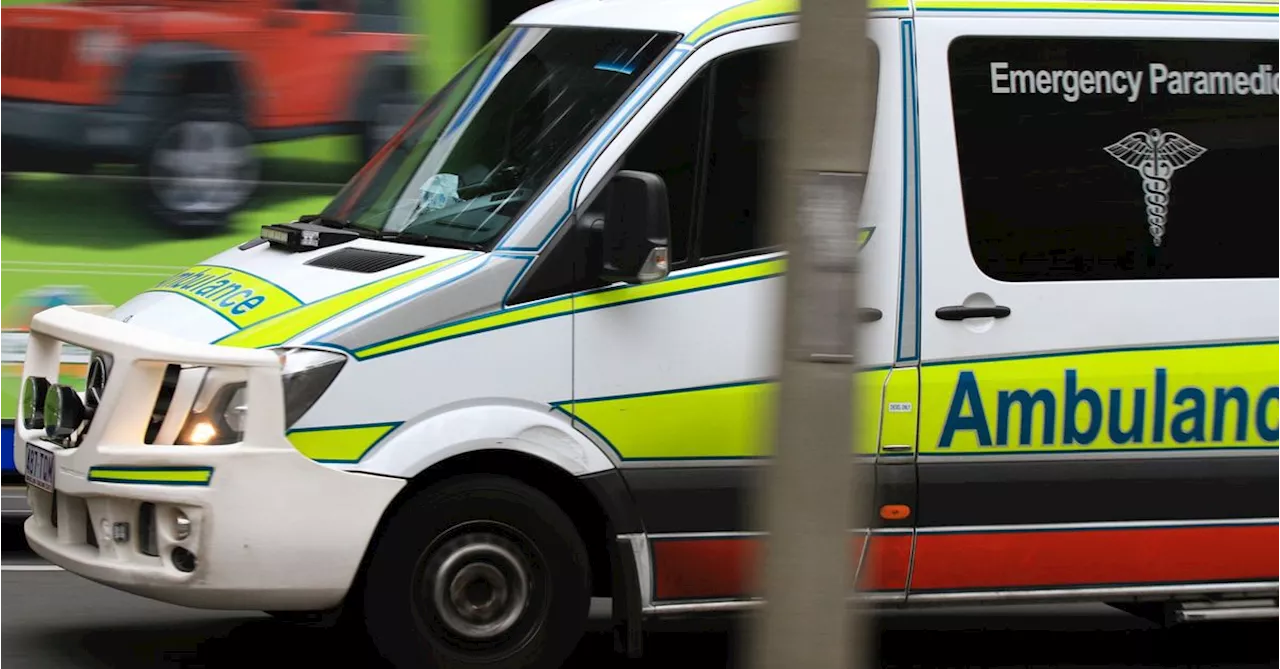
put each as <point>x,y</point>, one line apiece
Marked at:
<point>470,161</point>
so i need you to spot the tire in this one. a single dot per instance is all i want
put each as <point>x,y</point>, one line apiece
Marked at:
<point>201,136</point>
<point>390,112</point>
<point>477,526</point>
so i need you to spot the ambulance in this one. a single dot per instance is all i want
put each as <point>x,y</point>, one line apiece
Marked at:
<point>527,356</point>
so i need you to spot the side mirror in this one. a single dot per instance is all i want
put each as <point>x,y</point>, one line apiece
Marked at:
<point>635,232</point>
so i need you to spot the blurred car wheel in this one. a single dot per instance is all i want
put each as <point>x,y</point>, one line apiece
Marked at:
<point>201,165</point>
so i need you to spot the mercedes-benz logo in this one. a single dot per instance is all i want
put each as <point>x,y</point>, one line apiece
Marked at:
<point>95,382</point>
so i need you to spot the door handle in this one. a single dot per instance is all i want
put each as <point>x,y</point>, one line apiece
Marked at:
<point>869,314</point>
<point>959,313</point>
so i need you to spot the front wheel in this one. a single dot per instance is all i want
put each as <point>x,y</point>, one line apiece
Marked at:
<point>481,571</point>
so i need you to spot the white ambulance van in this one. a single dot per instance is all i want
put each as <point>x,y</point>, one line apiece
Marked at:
<point>526,356</point>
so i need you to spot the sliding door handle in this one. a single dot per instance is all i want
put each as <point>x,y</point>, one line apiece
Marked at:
<point>869,314</point>
<point>959,313</point>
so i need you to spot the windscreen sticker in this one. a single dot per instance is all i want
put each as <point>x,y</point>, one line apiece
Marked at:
<point>242,299</point>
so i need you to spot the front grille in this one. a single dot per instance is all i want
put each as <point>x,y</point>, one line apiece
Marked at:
<point>95,382</point>
<point>163,398</point>
<point>42,54</point>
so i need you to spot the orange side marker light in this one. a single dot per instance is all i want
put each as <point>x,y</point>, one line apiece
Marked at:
<point>895,511</point>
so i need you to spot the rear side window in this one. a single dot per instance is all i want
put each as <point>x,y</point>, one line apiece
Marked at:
<point>1105,159</point>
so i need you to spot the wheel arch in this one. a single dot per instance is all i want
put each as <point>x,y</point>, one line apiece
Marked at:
<point>162,70</point>
<point>599,504</point>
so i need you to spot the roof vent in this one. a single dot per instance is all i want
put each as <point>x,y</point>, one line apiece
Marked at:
<point>361,260</point>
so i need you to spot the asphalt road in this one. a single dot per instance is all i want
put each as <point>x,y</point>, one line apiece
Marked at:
<point>55,619</point>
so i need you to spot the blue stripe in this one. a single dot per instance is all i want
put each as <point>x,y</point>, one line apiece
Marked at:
<point>903,30</point>
<point>1095,10</point>
<point>915,133</point>
<point>487,82</point>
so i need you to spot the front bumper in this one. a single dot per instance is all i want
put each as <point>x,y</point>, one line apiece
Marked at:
<point>269,528</point>
<point>31,129</point>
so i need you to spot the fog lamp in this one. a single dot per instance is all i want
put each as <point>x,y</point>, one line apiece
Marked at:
<point>34,390</point>
<point>63,411</point>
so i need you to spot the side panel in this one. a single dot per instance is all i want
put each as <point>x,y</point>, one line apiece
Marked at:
<point>680,386</point>
<point>1118,427</point>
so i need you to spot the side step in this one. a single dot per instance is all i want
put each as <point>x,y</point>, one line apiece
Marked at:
<point>1240,609</point>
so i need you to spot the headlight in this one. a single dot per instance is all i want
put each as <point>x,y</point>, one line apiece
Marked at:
<point>218,414</point>
<point>101,47</point>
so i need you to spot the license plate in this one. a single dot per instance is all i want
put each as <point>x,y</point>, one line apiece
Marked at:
<point>39,472</point>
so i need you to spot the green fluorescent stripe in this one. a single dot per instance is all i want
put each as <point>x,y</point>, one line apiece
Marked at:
<point>608,297</point>
<point>281,328</point>
<point>342,444</point>
<point>759,10</point>
<point>730,421</point>
<point>152,475</point>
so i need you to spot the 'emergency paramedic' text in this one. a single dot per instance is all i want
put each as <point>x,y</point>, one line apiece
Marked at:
<point>1157,79</point>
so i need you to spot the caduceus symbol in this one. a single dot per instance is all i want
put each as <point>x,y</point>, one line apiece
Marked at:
<point>1156,155</point>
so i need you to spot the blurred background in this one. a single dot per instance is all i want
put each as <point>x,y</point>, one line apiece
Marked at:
<point>141,137</point>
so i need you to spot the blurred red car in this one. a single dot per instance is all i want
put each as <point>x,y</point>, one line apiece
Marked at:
<point>184,88</point>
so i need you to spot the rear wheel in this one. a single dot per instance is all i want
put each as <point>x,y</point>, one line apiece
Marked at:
<point>480,571</point>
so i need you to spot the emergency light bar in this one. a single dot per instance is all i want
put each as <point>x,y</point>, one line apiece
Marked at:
<point>299,236</point>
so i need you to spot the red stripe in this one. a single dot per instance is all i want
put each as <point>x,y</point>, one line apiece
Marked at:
<point>725,568</point>
<point>888,563</point>
<point>994,560</point>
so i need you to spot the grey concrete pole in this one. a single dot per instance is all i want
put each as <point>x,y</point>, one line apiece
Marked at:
<point>807,503</point>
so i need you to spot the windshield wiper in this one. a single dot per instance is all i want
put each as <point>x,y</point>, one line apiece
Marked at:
<point>338,223</point>
<point>405,237</point>
<point>430,240</point>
